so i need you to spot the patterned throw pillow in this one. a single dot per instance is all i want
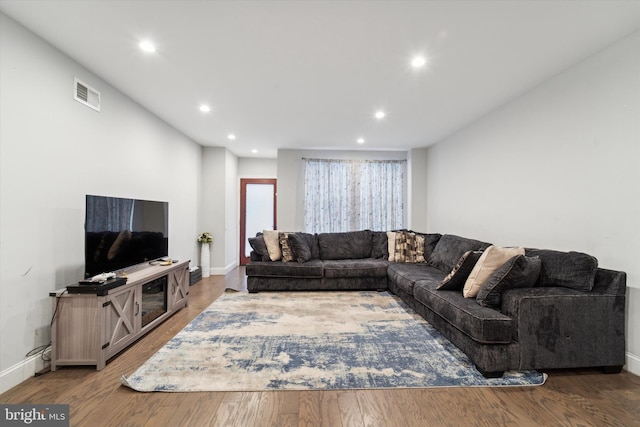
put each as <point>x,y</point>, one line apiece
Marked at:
<point>420,248</point>
<point>401,247</point>
<point>409,247</point>
<point>287,252</point>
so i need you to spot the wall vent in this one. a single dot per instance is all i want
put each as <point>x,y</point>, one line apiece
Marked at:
<point>85,94</point>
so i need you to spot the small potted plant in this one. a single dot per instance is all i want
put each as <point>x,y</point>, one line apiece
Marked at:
<point>205,239</point>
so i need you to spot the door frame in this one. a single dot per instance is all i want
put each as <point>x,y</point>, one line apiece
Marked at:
<point>243,210</point>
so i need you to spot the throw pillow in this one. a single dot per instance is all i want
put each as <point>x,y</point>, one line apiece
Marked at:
<point>299,246</point>
<point>272,240</point>
<point>518,272</point>
<point>419,248</point>
<point>492,258</point>
<point>568,269</point>
<point>402,246</point>
<point>391,245</point>
<point>287,252</point>
<point>430,242</point>
<point>379,245</point>
<point>409,247</point>
<point>259,247</point>
<point>455,280</point>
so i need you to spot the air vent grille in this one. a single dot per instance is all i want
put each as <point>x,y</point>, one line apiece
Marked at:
<point>85,94</point>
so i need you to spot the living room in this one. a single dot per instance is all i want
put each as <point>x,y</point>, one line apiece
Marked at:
<point>555,166</point>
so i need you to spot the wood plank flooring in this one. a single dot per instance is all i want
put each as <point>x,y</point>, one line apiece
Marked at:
<point>569,398</point>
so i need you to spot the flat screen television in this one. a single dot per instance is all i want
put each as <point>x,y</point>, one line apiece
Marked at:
<point>121,233</point>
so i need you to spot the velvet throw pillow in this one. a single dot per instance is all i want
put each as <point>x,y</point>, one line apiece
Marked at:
<point>379,245</point>
<point>259,247</point>
<point>518,272</point>
<point>391,245</point>
<point>300,247</point>
<point>272,240</point>
<point>490,260</point>
<point>458,276</point>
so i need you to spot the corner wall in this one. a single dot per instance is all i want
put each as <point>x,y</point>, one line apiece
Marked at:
<point>54,151</point>
<point>557,168</point>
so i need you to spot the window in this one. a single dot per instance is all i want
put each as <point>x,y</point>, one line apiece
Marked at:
<point>348,195</point>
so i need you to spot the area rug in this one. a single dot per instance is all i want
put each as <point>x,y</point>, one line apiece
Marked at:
<point>311,341</point>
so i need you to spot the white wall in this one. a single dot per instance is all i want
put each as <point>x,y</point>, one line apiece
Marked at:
<point>257,168</point>
<point>417,202</point>
<point>557,168</point>
<point>220,207</point>
<point>54,151</point>
<point>291,179</point>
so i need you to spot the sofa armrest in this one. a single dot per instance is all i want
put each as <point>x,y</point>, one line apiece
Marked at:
<point>559,327</point>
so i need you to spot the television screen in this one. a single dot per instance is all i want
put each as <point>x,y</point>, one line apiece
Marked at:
<point>120,233</point>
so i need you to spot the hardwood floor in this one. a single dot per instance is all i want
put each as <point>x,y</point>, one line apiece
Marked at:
<point>569,398</point>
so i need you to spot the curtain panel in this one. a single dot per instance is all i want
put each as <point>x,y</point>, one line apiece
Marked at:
<point>349,195</point>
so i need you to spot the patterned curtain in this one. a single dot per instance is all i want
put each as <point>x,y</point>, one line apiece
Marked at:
<point>349,195</point>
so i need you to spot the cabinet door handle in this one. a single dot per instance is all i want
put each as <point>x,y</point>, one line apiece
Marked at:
<point>175,288</point>
<point>137,308</point>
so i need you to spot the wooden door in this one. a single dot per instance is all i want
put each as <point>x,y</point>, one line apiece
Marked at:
<point>257,211</point>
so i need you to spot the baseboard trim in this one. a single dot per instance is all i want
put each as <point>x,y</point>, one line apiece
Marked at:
<point>633,364</point>
<point>22,371</point>
<point>223,271</point>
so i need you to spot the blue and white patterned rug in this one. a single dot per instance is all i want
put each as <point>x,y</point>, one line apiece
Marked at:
<point>311,341</point>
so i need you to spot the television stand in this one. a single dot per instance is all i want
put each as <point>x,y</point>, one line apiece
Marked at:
<point>91,328</point>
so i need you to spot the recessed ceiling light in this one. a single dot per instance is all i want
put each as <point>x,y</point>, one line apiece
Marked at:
<point>418,61</point>
<point>205,108</point>
<point>254,151</point>
<point>147,46</point>
<point>360,140</point>
<point>380,114</point>
<point>231,136</point>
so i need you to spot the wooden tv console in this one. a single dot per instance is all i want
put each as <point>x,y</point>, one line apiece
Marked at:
<point>90,328</point>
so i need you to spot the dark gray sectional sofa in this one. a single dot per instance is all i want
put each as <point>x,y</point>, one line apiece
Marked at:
<point>544,309</point>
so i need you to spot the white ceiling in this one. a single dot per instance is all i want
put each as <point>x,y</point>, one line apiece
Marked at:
<point>310,74</point>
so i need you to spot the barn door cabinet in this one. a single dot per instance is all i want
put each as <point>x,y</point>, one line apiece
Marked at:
<point>91,327</point>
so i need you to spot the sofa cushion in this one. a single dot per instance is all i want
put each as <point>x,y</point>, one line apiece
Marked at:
<point>349,245</point>
<point>304,246</point>
<point>518,272</point>
<point>454,281</point>
<point>450,248</point>
<point>311,269</point>
<point>490,260</point>
<point>569,269</point>
<point>482,324</point>
<point>379,245</point>
<point>406,275</point>
<point>360,268</point>
<point>272,240</point>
